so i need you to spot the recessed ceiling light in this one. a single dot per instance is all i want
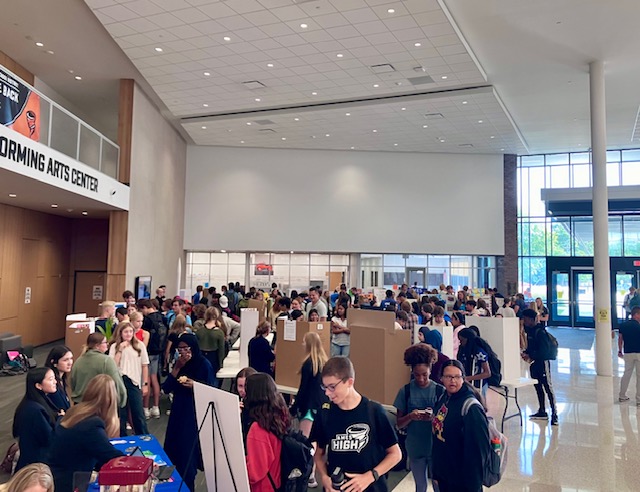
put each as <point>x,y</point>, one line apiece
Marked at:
<point>77,77</point>
<point>296,119</point>
<point>205,105</point>
<point>204,127</point>
<point>291,252</point>
<point>376,85</point>
<point>314,93</point>
<point>326,135</point>
<point>417,45</point>
<point>227,38</point>
<point>12,195</point>
<point>84,212</point>
<point>480,121</point>
<point>391,11</point>
<point>395,144</point>
<point>313,136</point>
<point>270,65</point>
<point>249,123</point>
<point>303,26</point>
<point>54,205</point>
<point>241,141</point>
<point>403,109</point>
<point>501,149</point>
<point>347,114</point>
<point>50,52</point>
<point>444,77</point>
<point>425,126</point>
<point>159,50</point>
<point>339,55</point>
<point>375,131</point>
<point>257,99</point>
<point>284,138</point>
<point>398,83</point>
<point>442,140</point>
<point>464,102</point>
<point>70,71</point>
<point>492,136</point>
<point>223,251</point>
<point>206,74</point>
<point>39,44</point>
<point>352,148</point>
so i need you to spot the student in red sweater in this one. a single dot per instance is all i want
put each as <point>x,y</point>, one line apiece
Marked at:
<point>271,420</point>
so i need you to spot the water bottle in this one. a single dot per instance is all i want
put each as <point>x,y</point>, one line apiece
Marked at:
<point>496,445</point>
<point>337,478</point>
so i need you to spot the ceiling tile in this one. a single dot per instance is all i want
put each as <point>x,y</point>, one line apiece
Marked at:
<point>189,15</point>
<point>290,40</point>
<point>118,13</point>
<point>261,18</point>
<point>276,30</point>
<point>169,5</point>
<point>360,15</point>
<point>331,20</point>
<point>235,22</point>
<point>209,27</point>
<point>252,34</point>
<point>217,10</point>
<point>244,6</point>
<point>184,32</point>
<point>118,30</point>
<point>144,7</point>
<point>165,20</point>
<point>289,13</point>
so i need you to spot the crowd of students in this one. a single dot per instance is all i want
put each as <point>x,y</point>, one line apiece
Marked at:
<point>71,410</point>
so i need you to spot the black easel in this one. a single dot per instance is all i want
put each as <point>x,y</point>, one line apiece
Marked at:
<point>214,415</point>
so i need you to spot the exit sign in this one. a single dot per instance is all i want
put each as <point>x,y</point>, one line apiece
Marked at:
<point>636,263</point>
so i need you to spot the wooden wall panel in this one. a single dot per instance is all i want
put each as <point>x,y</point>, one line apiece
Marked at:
<point>11,261</point>
<point>125,124</point>
<point>117,256</point>
<point>16,68</point>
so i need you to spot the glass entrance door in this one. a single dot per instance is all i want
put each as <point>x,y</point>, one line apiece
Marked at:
<point>560,298</point>
<point>416,277</point>
<point>582,298</point>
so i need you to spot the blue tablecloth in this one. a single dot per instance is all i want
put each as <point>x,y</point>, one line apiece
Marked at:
<point>152,449</point>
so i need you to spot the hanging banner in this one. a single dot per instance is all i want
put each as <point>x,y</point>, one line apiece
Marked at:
<point>19,106</point>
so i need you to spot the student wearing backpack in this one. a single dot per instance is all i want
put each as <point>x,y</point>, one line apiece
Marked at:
<point>461,442</point>
<point>538,354</point>
<point>415,402</point>
<point>474,353</point>
<point>359,436</point>
<point>270,423</point>
<point>154,324</point>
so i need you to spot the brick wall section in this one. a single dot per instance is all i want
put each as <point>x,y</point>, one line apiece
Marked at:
<point>507,271</point>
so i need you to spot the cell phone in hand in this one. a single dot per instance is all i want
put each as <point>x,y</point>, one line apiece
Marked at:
<point>165,472</point>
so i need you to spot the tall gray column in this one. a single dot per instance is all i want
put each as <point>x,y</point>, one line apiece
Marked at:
<point>507,265</point>
<point>600,220</point>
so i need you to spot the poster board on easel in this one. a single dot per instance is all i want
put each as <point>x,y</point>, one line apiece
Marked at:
<point>222,445</point>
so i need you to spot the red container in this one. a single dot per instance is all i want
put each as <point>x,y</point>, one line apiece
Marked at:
<point>127,471</point>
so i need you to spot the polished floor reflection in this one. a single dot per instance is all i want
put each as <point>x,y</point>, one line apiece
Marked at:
<point>595,447</point>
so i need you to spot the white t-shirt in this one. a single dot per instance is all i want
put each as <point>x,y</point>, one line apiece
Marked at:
<point>131,362</point>
<point>319,306</point>
<point>341,339</point>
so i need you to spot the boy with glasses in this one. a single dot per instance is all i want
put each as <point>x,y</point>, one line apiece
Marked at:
<point>352,433</point>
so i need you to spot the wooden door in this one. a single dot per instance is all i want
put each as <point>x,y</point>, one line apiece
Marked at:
<point>88,292</point>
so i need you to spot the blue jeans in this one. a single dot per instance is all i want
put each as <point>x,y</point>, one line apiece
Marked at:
<point>337,350</point>
<point>134,404</point>
<point>421,470</point>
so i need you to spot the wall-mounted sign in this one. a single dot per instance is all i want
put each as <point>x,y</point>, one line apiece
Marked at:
<point>27,295</point>
<point>19,106</point>
<point>97,292</point>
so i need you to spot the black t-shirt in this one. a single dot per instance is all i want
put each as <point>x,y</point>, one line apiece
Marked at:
<point>630,331</point>
<point>355,443</point>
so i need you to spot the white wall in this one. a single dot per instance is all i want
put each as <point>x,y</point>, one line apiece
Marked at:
<point>156,210</point>
<point>377,202</point>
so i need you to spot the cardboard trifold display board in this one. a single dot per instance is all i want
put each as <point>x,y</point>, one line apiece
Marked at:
<point>78,328</point>
<point>377,352</point>
<point>260,306</point>
<point>290,353</point>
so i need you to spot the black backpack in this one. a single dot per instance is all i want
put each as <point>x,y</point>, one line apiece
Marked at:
<point>157,334</point>
<point>296,463</point>
<point>496,371</point>
<point>547,346</point>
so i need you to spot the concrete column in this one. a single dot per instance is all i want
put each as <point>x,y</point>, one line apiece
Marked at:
<point>600,220</point>
<point>507,265</point>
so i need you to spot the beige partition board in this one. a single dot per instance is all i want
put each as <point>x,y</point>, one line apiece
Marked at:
<point>290,354</point>
<point>377,353</point>
<point>261,307</point>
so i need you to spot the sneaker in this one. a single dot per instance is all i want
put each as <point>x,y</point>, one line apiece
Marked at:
<point>129,426</point>
<point>539,416</point>
<point>554,420</point>
<point>147,413</point>
<point>313,483</point>
<point>622,399</point>
<point>155,412</point>
<point>169,412</point>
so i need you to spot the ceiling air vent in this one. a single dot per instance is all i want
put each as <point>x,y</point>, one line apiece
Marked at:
<point>434,116</point>
<point>267,130</point>
<point>383,68</point>
<point>264,122</point>
<point>425,79</point>
<point>466,146</point>
<point>253,84</point>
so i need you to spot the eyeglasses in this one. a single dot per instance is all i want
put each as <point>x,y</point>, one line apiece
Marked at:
<point>452,378</point>
<point>331,387</point>
<point>182,349</point>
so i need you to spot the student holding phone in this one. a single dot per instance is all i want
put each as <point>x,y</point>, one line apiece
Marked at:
<point>415,402</point>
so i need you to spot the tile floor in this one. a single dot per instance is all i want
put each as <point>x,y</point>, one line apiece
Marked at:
<point>595,447</point>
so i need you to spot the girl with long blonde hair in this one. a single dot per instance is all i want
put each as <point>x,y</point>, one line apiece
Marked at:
<point>310,394</point>
<point>132,359</point>
<point>81,442</point>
